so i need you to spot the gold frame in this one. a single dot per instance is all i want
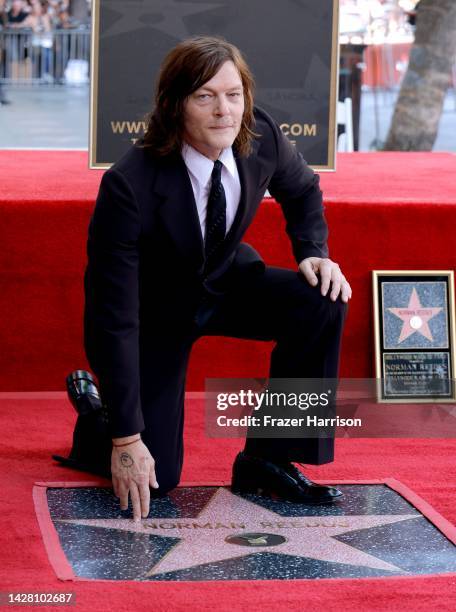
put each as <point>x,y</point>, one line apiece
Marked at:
<point>94,89</point>
<point>333,96</point>
<point>376,274</point>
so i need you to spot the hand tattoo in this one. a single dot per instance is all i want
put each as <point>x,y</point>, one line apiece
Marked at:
<point>126,460</point>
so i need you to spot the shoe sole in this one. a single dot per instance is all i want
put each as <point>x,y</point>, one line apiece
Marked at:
<point>273,495</point>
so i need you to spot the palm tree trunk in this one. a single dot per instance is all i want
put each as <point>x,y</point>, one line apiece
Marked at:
<point>419,106</point>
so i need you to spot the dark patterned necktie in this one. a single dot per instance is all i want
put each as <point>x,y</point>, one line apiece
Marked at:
<point>216,214</point>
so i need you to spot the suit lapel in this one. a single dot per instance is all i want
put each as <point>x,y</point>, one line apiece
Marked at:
<point>178,211</point>
<point>249,169</point>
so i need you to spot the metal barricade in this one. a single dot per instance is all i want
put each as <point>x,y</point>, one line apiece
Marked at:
<point>59,56</point>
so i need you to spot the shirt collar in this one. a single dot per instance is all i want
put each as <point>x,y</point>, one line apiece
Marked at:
<point>201,166</point>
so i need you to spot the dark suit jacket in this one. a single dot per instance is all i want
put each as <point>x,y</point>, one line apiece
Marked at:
<point>146,269</point>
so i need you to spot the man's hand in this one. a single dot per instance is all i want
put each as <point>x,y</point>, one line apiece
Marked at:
<point>330,274</point>
<point>133,470</point>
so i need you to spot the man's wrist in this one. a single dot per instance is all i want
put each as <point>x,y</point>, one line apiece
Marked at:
<point>126,439</point>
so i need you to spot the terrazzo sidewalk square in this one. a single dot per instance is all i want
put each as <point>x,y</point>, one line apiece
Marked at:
<point>201,533</point>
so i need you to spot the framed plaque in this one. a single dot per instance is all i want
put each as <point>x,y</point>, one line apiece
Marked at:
<point>291,47</point>
<point>414,335</point>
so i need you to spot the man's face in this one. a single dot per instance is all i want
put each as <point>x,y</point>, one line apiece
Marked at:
<point>213,113</point>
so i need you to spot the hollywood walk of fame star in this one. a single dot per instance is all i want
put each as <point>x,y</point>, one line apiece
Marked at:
<point>167,17</point>
<point>415,318</point>
<point>208,538</point>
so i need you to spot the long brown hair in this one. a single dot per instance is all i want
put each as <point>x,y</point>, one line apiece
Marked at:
<point>185,69</point>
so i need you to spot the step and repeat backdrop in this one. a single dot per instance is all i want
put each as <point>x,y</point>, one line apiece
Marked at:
<point>291,47</point>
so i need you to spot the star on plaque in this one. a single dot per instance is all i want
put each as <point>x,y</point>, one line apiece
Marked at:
<point>415,317</point>
<point>164,15</point>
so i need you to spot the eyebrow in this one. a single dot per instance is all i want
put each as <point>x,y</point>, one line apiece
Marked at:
<point>234,88</point>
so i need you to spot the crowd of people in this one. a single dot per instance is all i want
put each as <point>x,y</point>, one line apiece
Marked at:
<point>377,21</point>
<point>38,15</point>
<point>33,43</point>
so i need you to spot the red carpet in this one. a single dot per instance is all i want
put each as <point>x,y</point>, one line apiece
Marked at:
<point>35,425</point>
<point>385,211</point>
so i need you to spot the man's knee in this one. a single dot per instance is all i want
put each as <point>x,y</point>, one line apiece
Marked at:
<point>168,469</point>
<point>166,483</point>
<point>339,311</point>
<point>315,308</point>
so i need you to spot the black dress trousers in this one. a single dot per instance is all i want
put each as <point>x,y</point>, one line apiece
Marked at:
<point>281,306</point>
<point>275,305</point>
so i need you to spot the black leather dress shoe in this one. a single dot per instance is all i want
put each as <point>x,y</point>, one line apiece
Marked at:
<point>262,477</point>
<point>92,444</point>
